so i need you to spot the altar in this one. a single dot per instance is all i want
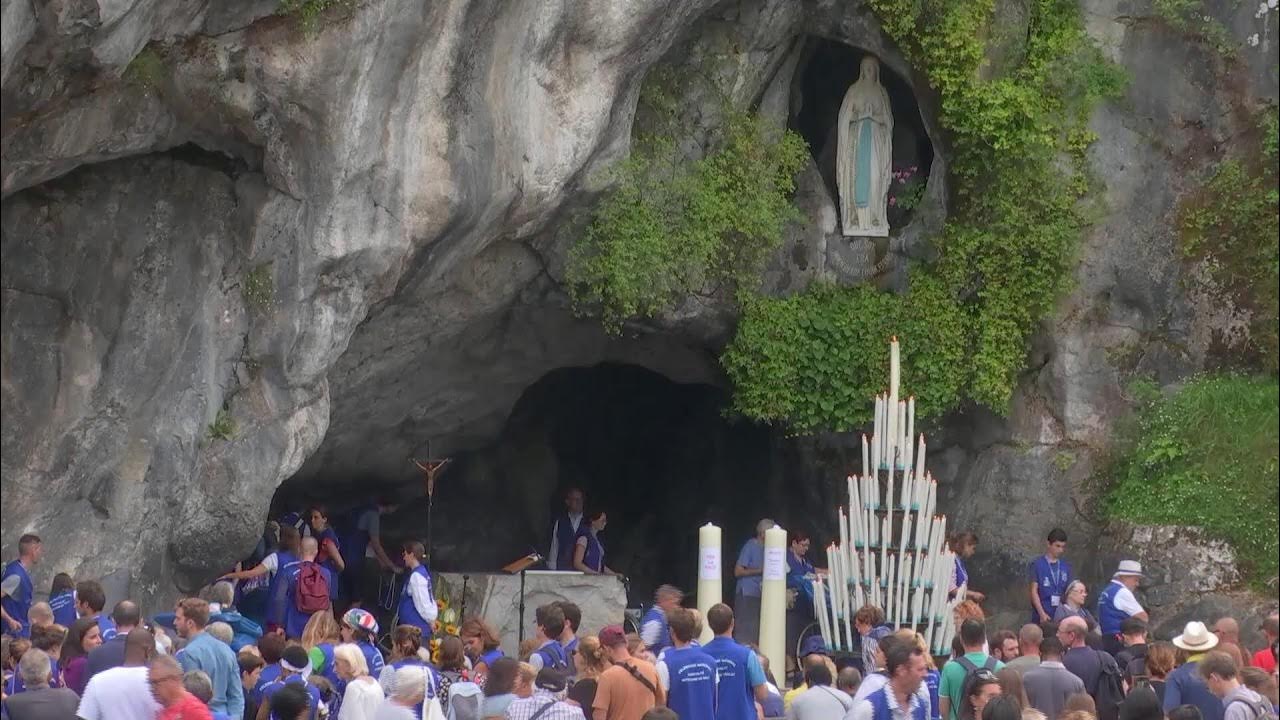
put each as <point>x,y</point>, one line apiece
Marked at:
<point>495,597</point>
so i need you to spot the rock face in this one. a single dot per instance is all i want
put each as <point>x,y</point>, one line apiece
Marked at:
<point>237,250</point>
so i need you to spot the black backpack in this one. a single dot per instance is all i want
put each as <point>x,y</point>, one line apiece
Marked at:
<point>970,670</point>
<point>1261,710</point>
<point>1110,692</point>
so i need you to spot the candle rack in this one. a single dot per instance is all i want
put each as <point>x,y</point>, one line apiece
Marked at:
<point>892,551</point>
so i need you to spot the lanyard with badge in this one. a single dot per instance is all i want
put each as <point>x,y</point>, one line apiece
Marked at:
<point>1055,577</point>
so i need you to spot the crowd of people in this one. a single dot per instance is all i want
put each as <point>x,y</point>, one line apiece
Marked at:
<point>284,637</point>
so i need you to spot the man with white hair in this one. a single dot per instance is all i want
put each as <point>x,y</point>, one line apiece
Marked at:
<point>1116,603</point>
<point>40,700</point>
<point>410,690</point>
<point>746,600</point>
<point>547,701</point>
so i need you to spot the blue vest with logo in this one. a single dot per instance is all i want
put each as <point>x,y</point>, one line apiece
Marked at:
<point>692,674</point>
<point>276,588</point>
<point>19,603</point>
<point>1110,616</point>
<point>372,657</point>
<point>409,614</point>
<point>553,656</point>
<point>565,537</point>
<point>735,698</point>
<point>594,555</point>
<point>63,606</point>
<point>655,614</point>
<point>880,706</point>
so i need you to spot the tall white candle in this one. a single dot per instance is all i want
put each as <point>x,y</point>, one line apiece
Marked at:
<point>773,598</point>
<point>911,417</point>
<point>710,575</point>
<point>895,366</point>
<point>866,459</point>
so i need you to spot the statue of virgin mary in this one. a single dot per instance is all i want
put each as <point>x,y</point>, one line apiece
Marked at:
<point>864,154</point>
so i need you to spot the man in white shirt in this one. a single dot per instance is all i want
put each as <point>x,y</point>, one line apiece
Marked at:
<point>123,693</point>
<point>565,530</point>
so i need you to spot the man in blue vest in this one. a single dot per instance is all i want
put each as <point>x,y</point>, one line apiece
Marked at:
<point>686,672</point>
<point>1049,575</point>
<point>549,626</point>
<point>16,588</point>
<point>564,530</point>
<point>654,632</point>
<point>1116,603</point>
<point>899,698</point>
<point>742,681</point>
<point>417,600</point>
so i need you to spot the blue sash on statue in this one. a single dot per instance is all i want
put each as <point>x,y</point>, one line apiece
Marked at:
<point>862,166</point>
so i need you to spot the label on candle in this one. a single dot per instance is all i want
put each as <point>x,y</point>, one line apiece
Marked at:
<point>709,567</point>
<point>775,563</point>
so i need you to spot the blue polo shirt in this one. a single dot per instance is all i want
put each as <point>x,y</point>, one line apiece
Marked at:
<point>751,556</point>
<point>1051,579</point>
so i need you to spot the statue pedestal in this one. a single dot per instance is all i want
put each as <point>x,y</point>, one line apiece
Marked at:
<point>495,597</point>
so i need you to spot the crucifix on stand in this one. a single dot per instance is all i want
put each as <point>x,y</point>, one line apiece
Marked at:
<point>430,468</point>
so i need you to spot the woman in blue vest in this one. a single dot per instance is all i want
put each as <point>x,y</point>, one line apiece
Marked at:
<point>361,627</point>
<point>964,545</point>
<point>588,551</point>
<point>481,645</point>
<point>1073,605</point>
<point>417,600</point>
<point>330,554</point>
<point>406,650</point>
<point>16,588</point>
<point>62,600</point>
<point>271,565</point>
<point>800,574</point>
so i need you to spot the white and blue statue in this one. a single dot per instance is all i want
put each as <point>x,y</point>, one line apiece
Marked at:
<point>864,155</point>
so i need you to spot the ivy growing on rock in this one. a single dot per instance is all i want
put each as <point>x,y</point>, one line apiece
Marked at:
<point>671,227</point>
<point>1230,226</point>
<point>1007,249</point>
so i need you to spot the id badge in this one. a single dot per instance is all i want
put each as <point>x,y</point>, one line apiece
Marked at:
<point>1055,600</point>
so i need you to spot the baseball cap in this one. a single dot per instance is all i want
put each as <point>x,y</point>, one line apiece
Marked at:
<point>813,645</point>
<point>612,636</point>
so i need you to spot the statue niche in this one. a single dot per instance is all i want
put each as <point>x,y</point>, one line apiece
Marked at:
<point>864,154</point>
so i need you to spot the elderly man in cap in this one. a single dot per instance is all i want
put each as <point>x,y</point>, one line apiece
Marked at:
<point>1185,686</point>
<point>547,701</point>
<point>1116,603</point>
<point>813,650</point>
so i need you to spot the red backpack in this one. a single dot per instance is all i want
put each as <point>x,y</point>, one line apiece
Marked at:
<point>313,589</point>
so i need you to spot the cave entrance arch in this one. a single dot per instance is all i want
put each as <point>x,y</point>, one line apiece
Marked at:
<point>659,457</point>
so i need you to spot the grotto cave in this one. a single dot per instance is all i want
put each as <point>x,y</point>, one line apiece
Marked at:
<point>248,263</point>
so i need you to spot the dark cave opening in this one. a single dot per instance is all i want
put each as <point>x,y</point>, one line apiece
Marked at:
<point>830,67</point>
<point>660,457</point>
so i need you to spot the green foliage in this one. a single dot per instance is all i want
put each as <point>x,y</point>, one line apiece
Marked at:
<point>1192,18</point>
<point>671,227</point>
<point>1231,224</point>
<point>814,360</point>
<point>257,289</point>
<point>1006,251</point>
<point>223,426</point>
<point>1208,456</point>
<point>309,12</point>
<point>147,70</point>
<point>1064,461</point>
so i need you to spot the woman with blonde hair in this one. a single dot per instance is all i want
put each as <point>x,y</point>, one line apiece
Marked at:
<point>591,659</point>
<point>363,695</point>
<point>320,636</point>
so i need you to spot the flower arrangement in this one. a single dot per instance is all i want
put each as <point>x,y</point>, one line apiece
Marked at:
<point>447,621</point>
<point>907,188</point>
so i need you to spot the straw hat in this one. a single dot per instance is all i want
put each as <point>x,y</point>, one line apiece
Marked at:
<point>1196,638</point>
<point>1129,567</point>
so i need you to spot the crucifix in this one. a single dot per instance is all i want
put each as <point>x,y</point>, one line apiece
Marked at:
<point>430,468</point>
